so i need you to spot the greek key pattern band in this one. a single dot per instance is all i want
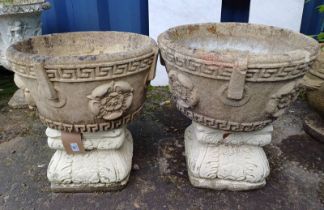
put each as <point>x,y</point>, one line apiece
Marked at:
<point>222,124</point>
<point>82,128</point>
<point>223,71</point>
<point>89,72</point>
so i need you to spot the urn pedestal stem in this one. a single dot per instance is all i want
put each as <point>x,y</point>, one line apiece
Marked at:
<point>221,160</point>
<point>105,165</point>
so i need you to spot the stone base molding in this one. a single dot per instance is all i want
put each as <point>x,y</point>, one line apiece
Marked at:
<point>105,165</point>
<point>223,160</point>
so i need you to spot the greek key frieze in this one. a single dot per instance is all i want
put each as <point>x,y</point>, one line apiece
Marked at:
<point>223,71</point>
<point>81,128</point>
<point>222,124</point>
<point>89,72</point>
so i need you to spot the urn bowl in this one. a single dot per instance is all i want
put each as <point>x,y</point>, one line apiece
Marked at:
<point>235,76</point>
<point>86,81</point>
<point>314,82</point>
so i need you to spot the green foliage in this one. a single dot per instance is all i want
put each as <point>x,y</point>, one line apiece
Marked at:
<point>5,2</point>
<point>320,37</point>
<point>320,8</point>
<point>150,87</point>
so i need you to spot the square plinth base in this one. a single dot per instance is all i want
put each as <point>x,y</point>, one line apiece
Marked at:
<point>226,162</point>
<point>89,187</point>
<point>223,184</point>
<point>104,166</point>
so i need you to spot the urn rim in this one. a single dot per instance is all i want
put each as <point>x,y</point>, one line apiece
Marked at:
<point>24,6</point>
<point>307,48</point>
<point>16,54</point>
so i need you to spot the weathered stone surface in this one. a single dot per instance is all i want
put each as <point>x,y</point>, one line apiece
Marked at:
<point>87,82</point>
<point>18,100</point>
<point>18,7</point>
<point>103,74</point>
<point>234,76</point>
<point>104,166</point>
<point>19,19</point>
<point>296,160</point>
<point>314,126</point>
<point>237,78</point>
<point>220,160</point>
<point>314,82</point>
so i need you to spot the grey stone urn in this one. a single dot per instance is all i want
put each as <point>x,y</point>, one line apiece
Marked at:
<point>314,83</point>
<point>19,19</point>
<point>232,80</point>
<point>87,87</point>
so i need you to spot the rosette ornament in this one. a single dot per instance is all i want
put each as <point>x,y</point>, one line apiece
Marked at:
<point>110,101</point>
<point>183,90</point>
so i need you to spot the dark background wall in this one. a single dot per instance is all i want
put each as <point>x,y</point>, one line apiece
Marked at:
<point>313,21</point>
<point>91,15</point>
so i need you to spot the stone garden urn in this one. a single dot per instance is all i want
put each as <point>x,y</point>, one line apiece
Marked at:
<point>232,80</point>
<point>314,83</point>
<point>87,87</point>
<point>19,19</point>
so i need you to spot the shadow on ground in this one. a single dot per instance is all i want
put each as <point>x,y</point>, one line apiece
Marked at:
<point>159,179</point>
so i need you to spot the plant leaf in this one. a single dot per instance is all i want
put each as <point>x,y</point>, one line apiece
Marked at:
<point>320,8</point>
<point>320,37</point>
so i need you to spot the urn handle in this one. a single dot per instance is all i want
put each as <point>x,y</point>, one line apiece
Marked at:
<point>152,72</point>
<point>236,85</point>
<point>162,62</point>
<point>45,87</point>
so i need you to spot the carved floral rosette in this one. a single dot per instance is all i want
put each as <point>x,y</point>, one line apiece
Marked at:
<point>110,101</point>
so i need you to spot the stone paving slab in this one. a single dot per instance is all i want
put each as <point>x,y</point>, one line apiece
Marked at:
<point>159,177</point>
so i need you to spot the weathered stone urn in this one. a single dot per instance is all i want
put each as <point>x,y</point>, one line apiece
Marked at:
<point>89,83</point>
<point>19,19</point>
<point>232,80</point>
<point>314,83</point>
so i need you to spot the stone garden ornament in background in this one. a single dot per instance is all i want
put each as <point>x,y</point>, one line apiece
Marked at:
<point>314,82</point>
<point>232,80</point>
<point>19,19</point>
<point>87,87</point>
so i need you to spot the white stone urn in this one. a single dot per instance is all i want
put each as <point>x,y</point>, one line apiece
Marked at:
<point>87,86</point>
<point>232,80</point>
<point>19,19</point>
